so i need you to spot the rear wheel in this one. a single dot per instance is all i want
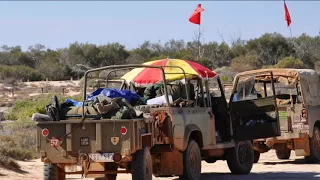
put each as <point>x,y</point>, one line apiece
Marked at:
<point>240,158</point>
<point>52,172</point>
<point>191,162</point>
<point>142,165</point>
<point>256,156</point>
<point>314,147</point>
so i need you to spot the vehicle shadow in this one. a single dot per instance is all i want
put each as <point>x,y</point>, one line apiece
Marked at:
<point>296,161</point>
<point>14,170</point>
<point>268,175</point>
<point>255,176</point>
<point>20,171</point>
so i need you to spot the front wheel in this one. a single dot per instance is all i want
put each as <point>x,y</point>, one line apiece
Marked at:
<point>240,158</point>
<point>314,156</point>
<point>52,172</point>
<point>142,165</point>
<point>191,162</point>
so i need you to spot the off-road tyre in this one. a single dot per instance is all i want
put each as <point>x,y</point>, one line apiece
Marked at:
<point>142,165</point>
<point>240,158</point>
<point>109,166</point>
<point>314,156</point>
<point>283,154</point>
<point>256,156</point>
<point>191,162</point>
<point>52,172</point>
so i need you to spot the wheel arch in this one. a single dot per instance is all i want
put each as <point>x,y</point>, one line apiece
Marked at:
<point>192,131</point>
<point>317,124</point>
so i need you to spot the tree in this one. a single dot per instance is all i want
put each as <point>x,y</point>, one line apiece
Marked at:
<point>51,68</point>
<point>268,50</point>
<point>12,74</point>
<point>37,54</point>
<point>112,54</point>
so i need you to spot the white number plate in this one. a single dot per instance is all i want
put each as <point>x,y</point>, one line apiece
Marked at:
<point>101,157</point>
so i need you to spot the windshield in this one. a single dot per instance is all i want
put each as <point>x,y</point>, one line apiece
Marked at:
<point>252,87</point>
<point>285,89</point>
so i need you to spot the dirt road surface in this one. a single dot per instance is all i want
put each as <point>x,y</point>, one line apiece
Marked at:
<point>269,167</point>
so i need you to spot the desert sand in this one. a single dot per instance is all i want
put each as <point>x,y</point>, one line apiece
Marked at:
<point>269,167</point>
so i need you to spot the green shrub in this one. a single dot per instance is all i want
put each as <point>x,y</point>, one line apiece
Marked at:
<point>11,74</point>
<point>291,62</point>
<point>23,109</point>
<point>245,63</point>
<point>226,79</point>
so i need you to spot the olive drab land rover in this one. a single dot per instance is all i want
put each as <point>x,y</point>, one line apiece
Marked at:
<point>298,101</point>
<point>107,135</point>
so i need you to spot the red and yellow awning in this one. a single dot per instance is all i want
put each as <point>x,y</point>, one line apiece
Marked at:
<point>152,75</point>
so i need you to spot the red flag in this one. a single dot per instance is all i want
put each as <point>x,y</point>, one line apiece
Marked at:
<point>287,14</point>
<point>196,16</point>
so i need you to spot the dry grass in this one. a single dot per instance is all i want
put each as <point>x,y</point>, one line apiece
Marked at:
<point>17,142</point>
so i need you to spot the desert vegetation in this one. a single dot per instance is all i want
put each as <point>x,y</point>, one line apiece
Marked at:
<point>271,49</point>
<point>18,139</point>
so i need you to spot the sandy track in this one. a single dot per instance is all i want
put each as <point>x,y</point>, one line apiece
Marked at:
<point>269,167</point>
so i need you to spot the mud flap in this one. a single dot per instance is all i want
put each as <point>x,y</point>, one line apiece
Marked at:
<point>170,163</point>
<point>302,147</point>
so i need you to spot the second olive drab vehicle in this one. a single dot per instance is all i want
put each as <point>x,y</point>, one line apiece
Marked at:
<point>167,139</point>
<point>298,101</point>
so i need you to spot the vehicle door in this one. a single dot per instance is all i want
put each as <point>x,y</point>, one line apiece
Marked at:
<point>220,108</point>
<point>253,108</point>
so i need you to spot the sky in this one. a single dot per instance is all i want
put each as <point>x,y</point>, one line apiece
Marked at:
<point>56,24</point>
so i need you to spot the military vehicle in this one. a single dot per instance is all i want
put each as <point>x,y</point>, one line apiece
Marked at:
<point>166,139</point>
<point>298,101</point>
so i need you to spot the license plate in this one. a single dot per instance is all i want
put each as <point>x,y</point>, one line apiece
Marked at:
<point>101,157</point>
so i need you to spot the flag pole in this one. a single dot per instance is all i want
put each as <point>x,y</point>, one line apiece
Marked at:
<point>284,2</point>
<point>290,31</point>
<point>196,19</point>
<point>199,44</point>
